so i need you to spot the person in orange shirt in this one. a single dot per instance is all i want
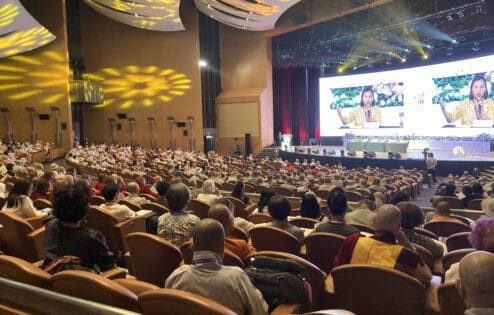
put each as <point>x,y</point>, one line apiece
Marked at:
<point>239,247</point>
<point>444,214</point>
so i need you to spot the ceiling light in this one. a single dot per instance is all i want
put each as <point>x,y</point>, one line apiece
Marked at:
<point>202,63</point>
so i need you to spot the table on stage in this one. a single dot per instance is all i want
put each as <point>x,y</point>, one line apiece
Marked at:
<point>400,147</point>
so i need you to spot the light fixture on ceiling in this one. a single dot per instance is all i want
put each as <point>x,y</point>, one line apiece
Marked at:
<point>202,63</point>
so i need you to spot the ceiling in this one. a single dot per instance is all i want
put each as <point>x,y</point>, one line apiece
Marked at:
<point>400,32</point>
<point>19,31</point>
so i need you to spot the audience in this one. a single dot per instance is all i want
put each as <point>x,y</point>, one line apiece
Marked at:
<point>279,208</point>
<point>65,235</point>
<point>475,284</point>
<point>207,276</point>
<point>444,214</point>
<point>364,213</point>
<point>19,203</point>
<point>133,189</point>
<point>487,206</point>
<point>337,204</point>
<point>161,189</point>
<point>412,217</point>
<point>239,247</point>
<point>208,193</point>
<point>310,208</point>
<point>111,193</point>
<point>481,238</point>
<point>388,247</point>
<point>239,192</point>
<point>262,204</point>
<point>176,226</point>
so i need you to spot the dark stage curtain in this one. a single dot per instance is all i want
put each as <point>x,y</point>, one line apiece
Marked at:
<point>296,103</point>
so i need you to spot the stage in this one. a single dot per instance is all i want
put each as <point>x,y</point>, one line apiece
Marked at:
<point>448,162</point>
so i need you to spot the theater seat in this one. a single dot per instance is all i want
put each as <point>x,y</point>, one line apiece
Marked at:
<point>93,287</point>
<point>170,301</point>
<point>20,270</point>
<point>446,228</point>
<point>18,238</point>
<point>388,291</point>
<point>272,238</point>
<point>322,248</point>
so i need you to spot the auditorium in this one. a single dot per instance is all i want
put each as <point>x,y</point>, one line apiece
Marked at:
<point>246,156</point>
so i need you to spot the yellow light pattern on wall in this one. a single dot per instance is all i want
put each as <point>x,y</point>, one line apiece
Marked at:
<point>144,86</point>
<point>33,79</point>
<point>7,14</point>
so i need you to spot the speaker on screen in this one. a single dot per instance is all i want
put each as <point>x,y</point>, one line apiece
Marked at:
<point>248,144</point>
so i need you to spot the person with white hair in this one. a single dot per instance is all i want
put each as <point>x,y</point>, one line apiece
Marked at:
<point>208,192</point>
<point>388,247</point>
<point>475,284</point>
<point>487,205</point>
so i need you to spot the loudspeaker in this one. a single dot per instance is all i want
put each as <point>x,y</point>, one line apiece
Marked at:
<point>396,155</point>
<point>248,144</point>
<point>181,124</point>
<point>371,154</point>
<point>44,116</point>
<point>350,153</point>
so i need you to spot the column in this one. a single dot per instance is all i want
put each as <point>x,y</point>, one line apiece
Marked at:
<point>33,124</point>
<point>8,130</point>
<point>113,125</point>
<point>151,121</point>
<point>192,140</point>
<point>58,131</point>
<point>172,124</point>
<point>132,122</point>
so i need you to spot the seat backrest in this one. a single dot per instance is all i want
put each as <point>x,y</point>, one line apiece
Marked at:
<point>302,222</point>
<point>425,255</point>
<point>16,237</point>
<point>152,257</point>
<point>315,277</point>
<point>199,208</point>
<point>149,197</point>
<point>258,218</point>
<point>240,234</point>
<point>93,287</point>
<point>453,202</point>
<point>353,195</point>
<point>446,228</point>
<point>239,207</point>
<point>103,221</point>
<point>282,191</point>
<point>20,270</point>
<point>155,207</point>
<point>133,206</point>
<point>170,301</point>
<point>40,204</point>
<point>322,248</point>
<point>229,258</point>
<point>461,218</point>
<point>455,256</point>
<point>249,188</point>
<point>364,228</point>
<point>354,281</point>
<point>96,200</point>
<point>458,241</point>
<point>272,238</point>
<point>228,186</point>
<point>323,194</point>
<point>474,204</point>
<point>450,301</point>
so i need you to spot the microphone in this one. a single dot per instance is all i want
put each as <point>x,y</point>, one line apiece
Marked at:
<point>368,114</point>
<point>480,101</point>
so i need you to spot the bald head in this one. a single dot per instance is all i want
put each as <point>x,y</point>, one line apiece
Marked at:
<point>476,279</point>
<point>222,214</point>
<point>208,234</point>
<point>388,218</point>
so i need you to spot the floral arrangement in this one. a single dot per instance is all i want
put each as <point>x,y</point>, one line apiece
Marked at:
<point>458,151</point>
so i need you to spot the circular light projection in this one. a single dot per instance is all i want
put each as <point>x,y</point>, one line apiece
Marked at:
<point>140,86</point>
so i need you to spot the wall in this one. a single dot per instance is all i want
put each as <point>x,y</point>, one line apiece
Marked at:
<point>246,67</point>
<point>38,79</point>
<point>144,74</point>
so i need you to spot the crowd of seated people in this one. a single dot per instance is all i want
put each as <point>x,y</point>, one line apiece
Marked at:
<point>125,170</point>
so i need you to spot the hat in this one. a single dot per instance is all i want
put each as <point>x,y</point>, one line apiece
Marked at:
<point>487,206</point>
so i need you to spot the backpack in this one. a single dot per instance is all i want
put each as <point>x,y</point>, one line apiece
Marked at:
<point>279,280</point>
